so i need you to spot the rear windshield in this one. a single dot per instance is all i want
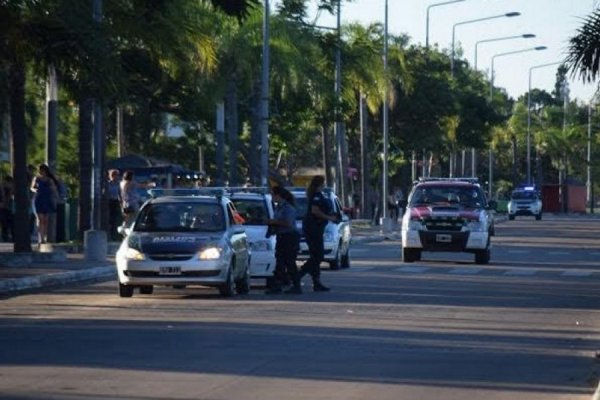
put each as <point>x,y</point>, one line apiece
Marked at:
<point>254,211</point>
<point>180,217</point>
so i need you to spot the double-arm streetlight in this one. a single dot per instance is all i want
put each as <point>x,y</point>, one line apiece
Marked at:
<point>524,36</point>
<point>427,21</point>
<point>471,21</point>
<point>537,48</point>
<point>529,117</point>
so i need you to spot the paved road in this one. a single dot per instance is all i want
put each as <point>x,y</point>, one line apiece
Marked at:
<point>524,327</point>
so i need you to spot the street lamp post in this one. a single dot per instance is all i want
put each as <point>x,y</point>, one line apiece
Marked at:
<point>537,48</point>
<point>491,154</point>
<point>524,36</point>
<point>529,118</point>
<point>471,21</point>
<point>386,223</point>
<point>427,21</point>
<point>264,97</point>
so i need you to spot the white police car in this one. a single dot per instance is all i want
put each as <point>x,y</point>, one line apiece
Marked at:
<point>337,236</point>
<point>525,201</point>
<point>447,214</point>
<point>183,238</point>
<point>255,206</point>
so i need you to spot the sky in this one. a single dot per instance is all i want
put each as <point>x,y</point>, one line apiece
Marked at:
<point>553,22</point>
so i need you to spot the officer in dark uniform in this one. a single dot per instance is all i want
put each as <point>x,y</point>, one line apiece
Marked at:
<point>319,212</point>
<point>288,242</point>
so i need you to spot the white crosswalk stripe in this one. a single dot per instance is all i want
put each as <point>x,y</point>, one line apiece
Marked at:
<point>414,270</point>
<point>465,271</point>
<point>520,272</point>
<point>576,273</point>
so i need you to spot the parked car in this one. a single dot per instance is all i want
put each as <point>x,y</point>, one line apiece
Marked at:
<point>181,239</point>
<point>337,236</point>
<point>525,201</point>
<point>449,214</point>
<point>255,205</point>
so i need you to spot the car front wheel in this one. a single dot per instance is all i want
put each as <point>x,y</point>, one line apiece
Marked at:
<point>125,290</point>
<point>482,256</point>
<point>242,285</point>
<point>411,255</point>
<point>227,289</point>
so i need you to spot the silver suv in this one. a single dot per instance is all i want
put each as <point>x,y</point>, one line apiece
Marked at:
<point>447,215</point>
<point>337,236</point>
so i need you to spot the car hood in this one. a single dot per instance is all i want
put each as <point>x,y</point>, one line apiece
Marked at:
<point>165,242</point>
<point>434,211</point>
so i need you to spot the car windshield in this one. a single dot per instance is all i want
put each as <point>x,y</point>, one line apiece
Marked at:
<point>180,217</point>
<point>523,195</point>
<point>254,211</point>
<point>430,195</point>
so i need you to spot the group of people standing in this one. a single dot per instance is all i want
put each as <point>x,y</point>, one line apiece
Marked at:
<point>283,224</point>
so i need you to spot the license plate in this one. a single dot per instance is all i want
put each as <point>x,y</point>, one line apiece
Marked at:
<point>443,238</point>
<point>169,270</point>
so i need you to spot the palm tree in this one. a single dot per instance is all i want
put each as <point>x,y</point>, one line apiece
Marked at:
<point>582,57</point>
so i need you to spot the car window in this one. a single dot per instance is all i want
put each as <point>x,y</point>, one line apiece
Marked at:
<point>447,194</point>
<point>180,217</point>
<point>524,195</point>
<point>254,211</point>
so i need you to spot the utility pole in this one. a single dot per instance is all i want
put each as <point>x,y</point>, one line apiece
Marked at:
<point>95,239</point>
<point>264,110</point>
<point>339,135</point>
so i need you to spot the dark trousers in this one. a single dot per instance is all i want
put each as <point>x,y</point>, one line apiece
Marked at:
<point>7,222</point>
<point>316,253</point>
<point>286,251</point>
<point>114,218</point>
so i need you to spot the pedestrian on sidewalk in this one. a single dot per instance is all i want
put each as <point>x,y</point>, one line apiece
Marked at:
<point>130,198</point>
<point>288,242</point>
<point>7,209</point>
<point>45,188</point>
<point>114,203</point>
<point>319,212</point>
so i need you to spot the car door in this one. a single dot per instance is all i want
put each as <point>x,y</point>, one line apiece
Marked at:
<point>238,240</point>
<point>343,226</point>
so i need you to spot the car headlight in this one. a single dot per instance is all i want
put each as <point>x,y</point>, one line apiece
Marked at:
<point>411,225</point>
<point>261,245</point>
<point>210,253</point>
<point>476,226</point>
<point>328,236</point>
<point>133,254</point>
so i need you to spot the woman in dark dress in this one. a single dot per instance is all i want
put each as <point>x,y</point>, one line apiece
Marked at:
<point>45,189</point>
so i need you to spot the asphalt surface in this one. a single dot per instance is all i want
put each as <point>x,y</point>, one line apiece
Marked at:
<point>56,267</point>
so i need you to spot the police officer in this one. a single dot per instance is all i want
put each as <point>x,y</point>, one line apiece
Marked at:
<point>319,212</point>
<point>288,242</point>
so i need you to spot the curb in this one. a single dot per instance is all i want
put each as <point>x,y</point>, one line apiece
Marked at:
<point>12,287</point>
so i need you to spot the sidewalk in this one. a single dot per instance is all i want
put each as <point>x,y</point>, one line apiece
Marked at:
<point>54,266</point>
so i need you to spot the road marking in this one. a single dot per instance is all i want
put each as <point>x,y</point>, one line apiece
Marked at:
<point>415,270</point>
<point>465,271</point>
<point>576,273</point>
<point>520,272</point>
<point>595,253</point>
<point>518,251</point>
<point>561,253</point>
<point>359,269</point>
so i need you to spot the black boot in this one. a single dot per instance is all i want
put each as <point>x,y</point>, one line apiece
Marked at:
<point>319,287</point>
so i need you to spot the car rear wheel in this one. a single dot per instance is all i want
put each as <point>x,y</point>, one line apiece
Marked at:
<point>242,285</point>
<point>227,289</point>
<point>411,255</point>
<point>125,290</point>
<point>345,262</point>
<point>146,289</point>
<point>337,261</point>
<point>482,256</point>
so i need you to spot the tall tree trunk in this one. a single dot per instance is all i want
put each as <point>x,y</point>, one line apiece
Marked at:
<point>513,140</point>
<point>255,137</point>
<point>232,130</point>
<point>327,151</point>
<point>16,91</point>
<point>85,166</point>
